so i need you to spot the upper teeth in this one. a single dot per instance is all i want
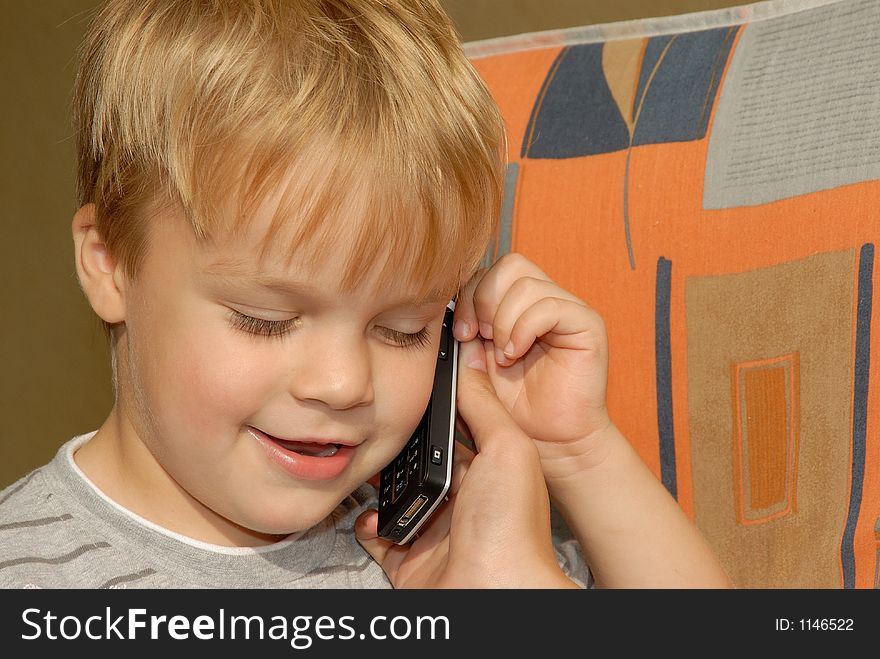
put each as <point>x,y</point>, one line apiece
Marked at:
<point>315,450</point>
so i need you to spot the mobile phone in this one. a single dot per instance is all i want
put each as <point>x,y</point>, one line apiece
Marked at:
<point>416,481</point>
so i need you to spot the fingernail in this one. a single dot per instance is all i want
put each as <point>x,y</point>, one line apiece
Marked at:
<point>461,329</point>
<point>508,349</point>
<point>486,330</point>
<point>473,355</point>
<point>500,357</point>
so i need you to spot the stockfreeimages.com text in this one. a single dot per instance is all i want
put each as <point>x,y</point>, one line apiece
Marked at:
<point>301,631</point>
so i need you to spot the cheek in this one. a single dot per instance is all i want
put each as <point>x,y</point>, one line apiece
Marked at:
<point>405,387</point>
<point>203,381</point>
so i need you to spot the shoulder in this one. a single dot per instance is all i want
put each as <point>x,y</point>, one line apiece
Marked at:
<point>47,537</point>
<point>37,498</point>
<point>34,519</point>
<point>29,494</point>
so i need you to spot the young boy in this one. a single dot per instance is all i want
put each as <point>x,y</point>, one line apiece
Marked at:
<point>277,201</point>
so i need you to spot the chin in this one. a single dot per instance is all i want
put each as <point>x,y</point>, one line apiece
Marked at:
<point>284,520</point>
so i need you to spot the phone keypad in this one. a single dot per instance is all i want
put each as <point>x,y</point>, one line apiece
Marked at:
<point>407,468</point>
<point>400,477</point>
<point>413,461</point>
<point>385,495</point>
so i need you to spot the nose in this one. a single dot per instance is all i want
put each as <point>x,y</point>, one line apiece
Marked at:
<point>335,370</point>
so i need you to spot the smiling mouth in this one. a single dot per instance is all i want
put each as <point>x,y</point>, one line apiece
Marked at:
<point>310,449</point>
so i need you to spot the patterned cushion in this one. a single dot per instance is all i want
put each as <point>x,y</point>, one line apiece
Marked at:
<point>709,183</point>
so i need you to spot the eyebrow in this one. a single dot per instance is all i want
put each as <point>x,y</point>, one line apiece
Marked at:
<point>288,288</point>
<point>282,286</point>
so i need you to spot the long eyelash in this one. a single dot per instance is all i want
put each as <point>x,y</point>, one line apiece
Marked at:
<point>261,326</point>
<point>420,339</point>
<point>280,329</point>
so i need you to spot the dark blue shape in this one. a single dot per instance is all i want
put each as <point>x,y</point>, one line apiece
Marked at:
<point>663,352</point>
<point>653,51</point>
<point>860,410</point>
<point>578,115</point>
<point>679,98</point>
<point>575,114</point>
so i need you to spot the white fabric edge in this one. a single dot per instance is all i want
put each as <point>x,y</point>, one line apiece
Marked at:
<point>643,27</point>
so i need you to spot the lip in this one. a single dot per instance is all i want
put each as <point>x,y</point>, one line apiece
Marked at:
<point>307,440</point>
<point>301,466</point>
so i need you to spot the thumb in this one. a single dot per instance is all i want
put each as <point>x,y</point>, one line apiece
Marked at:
<point>367,533</point>
<point>387,554</point>
<point>477,402</point>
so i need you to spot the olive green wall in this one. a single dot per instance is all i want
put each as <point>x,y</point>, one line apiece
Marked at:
<point>55,377</point>
<point>55,380</point>
<point>484,19</point>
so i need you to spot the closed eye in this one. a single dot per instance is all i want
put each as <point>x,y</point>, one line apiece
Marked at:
<point>420,339</point>
<point>282,328</point>
<point>262,326</point>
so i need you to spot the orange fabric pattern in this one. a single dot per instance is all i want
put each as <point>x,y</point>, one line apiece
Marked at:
<point>740,336</point>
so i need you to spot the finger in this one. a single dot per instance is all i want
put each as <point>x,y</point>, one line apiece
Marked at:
<point>497,283</point>
<point>366,530</point>
<point>522,294</point>
<point>465,326</point>
<point>387,554</point>
<point>497,372</point>
<point>494,370</point>
<point>489,421</point>
<point>557,322</point>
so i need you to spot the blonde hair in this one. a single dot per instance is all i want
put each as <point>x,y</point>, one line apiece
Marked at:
<point>192,103</point>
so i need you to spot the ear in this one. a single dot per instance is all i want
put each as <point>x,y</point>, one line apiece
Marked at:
<point>100,277</point>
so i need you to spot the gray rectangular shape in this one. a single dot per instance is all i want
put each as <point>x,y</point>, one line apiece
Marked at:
<point>798,110</point>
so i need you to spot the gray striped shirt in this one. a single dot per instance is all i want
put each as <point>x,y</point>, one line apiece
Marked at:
<point>57,530</point>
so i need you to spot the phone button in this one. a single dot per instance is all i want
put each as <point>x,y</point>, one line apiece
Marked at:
<point>436,455</point>
<point>444,337</point>
<point>399,484</point>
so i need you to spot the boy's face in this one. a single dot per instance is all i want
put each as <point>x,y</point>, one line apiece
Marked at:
<point>213,373</point>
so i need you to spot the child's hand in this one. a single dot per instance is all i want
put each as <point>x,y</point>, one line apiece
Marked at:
<point>494,532</point>
<point>555,380</point>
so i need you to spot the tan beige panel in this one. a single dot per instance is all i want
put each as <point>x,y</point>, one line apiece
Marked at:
<point>802,307</point>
